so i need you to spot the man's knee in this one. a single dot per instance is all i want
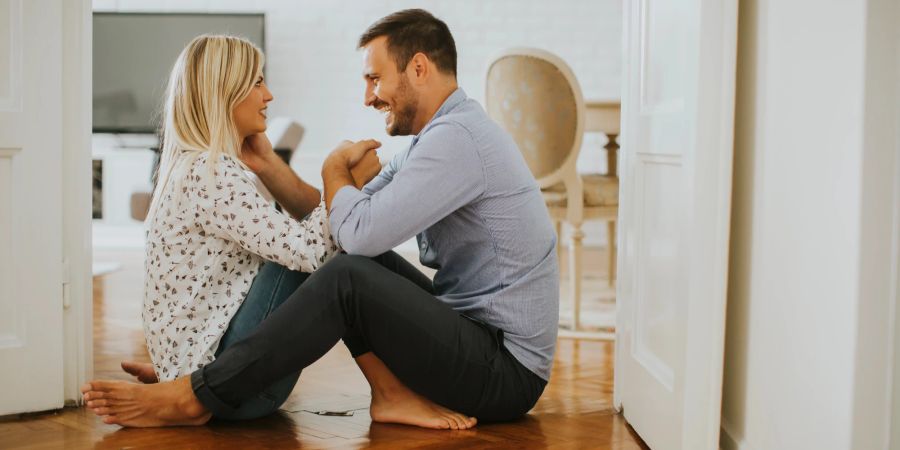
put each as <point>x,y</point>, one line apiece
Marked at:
<point>344,266</point>
<point>344,261</point>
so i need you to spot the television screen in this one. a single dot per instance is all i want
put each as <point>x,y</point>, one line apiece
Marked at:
<point>134,53</point>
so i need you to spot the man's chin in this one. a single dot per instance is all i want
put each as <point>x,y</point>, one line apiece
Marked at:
<point>395,130</point>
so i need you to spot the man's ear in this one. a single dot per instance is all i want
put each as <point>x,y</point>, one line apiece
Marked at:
<point>419,67</point>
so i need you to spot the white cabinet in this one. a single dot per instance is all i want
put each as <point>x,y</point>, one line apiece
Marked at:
<point>126,166</point>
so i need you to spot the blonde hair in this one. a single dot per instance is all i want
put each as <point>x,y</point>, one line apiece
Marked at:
<point>210,77</point>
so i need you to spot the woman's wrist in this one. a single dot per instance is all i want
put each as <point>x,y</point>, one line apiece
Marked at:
<point>335,160</point>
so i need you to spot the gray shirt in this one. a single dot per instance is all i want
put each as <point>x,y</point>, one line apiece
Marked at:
<point>464,190</point>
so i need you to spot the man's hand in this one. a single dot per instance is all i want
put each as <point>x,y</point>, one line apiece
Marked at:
<point>336,170</point>
<point>366,169</point>
<point>257,153</point>
<point>349,153</point>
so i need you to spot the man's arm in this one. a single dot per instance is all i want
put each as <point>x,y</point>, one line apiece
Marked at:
<point>440,175</point>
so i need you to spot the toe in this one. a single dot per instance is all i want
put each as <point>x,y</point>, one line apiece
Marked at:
<point>454,422</point>
<point>93,395</point>
<point>465,422</point>
<point>112,420</point>
<point>102,385</point>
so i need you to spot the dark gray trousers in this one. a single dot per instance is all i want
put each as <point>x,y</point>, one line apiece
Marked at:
<point>386,306</point>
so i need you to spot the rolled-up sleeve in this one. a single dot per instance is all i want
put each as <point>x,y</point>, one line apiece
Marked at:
<point>442,172</point>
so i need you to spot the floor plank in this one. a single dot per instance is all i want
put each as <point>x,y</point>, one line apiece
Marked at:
<point>576,410</point>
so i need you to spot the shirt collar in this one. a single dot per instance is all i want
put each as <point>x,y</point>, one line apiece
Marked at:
<point>458,96</point>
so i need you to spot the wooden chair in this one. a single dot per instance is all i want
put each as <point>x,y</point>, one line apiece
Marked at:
<point>534,95</point>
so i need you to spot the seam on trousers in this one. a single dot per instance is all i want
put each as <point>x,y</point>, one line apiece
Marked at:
<point>274,292</point>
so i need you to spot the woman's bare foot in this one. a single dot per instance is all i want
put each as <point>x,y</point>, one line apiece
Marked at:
<point>406,407</point>
<point>142,371</point>
<point>145,405</point>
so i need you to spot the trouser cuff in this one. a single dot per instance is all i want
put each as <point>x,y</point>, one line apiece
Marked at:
<point>205,395</point>
<point>356,344</point>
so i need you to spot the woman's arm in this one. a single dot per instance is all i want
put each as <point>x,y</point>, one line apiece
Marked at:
<point>295,195</point>
<point>231,208</point>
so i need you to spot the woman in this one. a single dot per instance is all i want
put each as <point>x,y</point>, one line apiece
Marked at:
<point>219,257</point>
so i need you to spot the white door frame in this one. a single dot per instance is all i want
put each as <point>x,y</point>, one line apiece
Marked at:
<point>882,419</point>
<point>893,403</point>
<point>78,288</point>
<point>710,94</point>
<point>876,384</point>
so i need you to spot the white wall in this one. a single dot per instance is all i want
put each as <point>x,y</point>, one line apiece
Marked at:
<point>314,69</point>
<point>810,266</point>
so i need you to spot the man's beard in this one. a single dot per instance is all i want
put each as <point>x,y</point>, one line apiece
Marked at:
<point>405,110</point>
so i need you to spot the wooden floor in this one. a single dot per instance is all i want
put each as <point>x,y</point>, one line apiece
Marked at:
<point>575,411</point>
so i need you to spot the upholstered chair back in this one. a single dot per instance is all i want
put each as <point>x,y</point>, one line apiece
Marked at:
<point>533,95</point>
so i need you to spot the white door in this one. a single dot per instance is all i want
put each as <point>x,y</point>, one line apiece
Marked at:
<point>677,119</point>
<point>31,157</point>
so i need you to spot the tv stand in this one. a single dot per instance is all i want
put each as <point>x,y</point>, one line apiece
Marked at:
<point>126,165</point>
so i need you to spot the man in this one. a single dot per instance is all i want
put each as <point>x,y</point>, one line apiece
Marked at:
<point>478,339</point>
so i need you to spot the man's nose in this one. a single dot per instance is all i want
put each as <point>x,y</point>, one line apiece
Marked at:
<point>369,97</point>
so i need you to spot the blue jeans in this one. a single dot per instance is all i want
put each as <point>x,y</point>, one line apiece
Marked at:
<point>272,286</point>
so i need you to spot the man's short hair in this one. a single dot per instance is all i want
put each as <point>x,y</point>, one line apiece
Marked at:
<point>412,31</point>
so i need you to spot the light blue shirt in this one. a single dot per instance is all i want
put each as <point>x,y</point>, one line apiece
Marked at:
<point>464,190</point>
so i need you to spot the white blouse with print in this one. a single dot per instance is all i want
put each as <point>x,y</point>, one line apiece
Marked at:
<point>205,244</point>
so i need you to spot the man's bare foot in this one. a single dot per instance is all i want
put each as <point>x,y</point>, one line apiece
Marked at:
<point>142,371</point>
<point>406,407</point>
<point>393,402</point>
<point>145,405</point>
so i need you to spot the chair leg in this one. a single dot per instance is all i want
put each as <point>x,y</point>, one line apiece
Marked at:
<point>558,225</point>
<point>611,236</point>
<point>575,274</point>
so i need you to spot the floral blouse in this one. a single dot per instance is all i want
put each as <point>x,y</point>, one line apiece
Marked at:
<point>205,244</point>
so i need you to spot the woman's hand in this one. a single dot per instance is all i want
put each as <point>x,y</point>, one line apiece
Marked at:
<point>257,153</point>
<point>336,172</point>
<point>366,169</point>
